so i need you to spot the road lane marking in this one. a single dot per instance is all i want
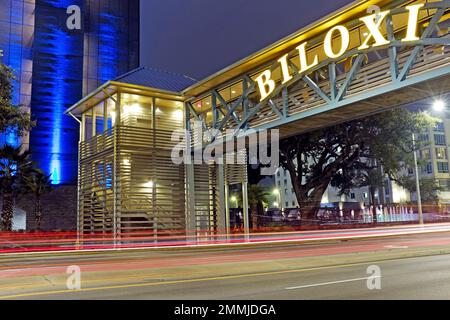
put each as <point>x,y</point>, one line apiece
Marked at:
<point>330,283</point>
<point>396,247</point>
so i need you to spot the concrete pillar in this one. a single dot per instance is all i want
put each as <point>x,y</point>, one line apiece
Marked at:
<point>223,212</point>
<point>245,208</point>
<point>116,179</point>
<point>190,203</point>
<point>227,211</point>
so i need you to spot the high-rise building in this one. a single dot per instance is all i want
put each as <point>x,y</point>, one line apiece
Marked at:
<point>56,66</point>
<point>16,43</point>
<point>434,159</point>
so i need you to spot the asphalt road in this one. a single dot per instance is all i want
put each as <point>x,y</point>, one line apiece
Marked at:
<point>414,278</point>
<point>411,267</point>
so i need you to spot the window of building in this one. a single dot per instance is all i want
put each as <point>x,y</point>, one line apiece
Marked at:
<point>99,119</point>
<point>428,168</point>
<point>410,171</point>
<point>439,127</point>
<point>352,195</point>
<point>365,195</point>
<point>439,139</point>
<point>444,184</point>
<point>293,203</point>
<point>441,153</point>
<point>423,137</point>
<point>287,204</point>
<point>442,167</point>
<point>88,125</point>
<point>425,154</point>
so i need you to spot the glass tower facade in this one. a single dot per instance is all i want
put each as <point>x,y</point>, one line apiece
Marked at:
<point>16,42</point>
<point>56,67</point>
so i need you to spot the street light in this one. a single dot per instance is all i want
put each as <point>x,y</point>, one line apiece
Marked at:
<point>234,199</point>
<point>439,105</point>
<point>276,192</point>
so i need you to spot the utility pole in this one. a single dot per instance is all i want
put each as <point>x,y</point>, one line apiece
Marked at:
<point>416,169</point>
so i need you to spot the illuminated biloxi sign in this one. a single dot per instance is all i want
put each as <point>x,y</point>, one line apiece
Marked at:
<point>373,38</point>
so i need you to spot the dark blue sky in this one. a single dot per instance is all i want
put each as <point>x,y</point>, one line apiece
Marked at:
<point>200,37</point>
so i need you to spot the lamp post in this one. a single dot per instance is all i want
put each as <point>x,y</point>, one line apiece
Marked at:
<point>416,169</point>
<point>439,106</point>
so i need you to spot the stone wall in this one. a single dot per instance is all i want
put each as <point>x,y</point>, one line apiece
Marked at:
<point>59,209</point>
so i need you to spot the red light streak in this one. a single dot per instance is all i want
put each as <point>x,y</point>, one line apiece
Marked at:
<point>68,242</point>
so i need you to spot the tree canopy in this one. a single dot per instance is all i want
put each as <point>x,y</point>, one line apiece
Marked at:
<point>15,163</point>
<point>12,118</point>
<point>343,155</point>
<point>429,188</point>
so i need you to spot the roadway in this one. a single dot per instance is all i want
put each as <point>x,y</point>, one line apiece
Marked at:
<point>413,266</point>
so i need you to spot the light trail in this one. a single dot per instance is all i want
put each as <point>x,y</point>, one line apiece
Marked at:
<point>27,276</point>
<point>67,242</point>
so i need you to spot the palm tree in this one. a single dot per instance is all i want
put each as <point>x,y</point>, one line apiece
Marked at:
<point>257,195</point>
<point>38,183</point>
<point>14,165</point>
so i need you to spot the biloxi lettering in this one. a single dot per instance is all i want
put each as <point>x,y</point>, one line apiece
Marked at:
<point>373,38</point>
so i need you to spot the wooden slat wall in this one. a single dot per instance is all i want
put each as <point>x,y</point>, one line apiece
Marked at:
<point>206,197</point>
<point>150,188</point>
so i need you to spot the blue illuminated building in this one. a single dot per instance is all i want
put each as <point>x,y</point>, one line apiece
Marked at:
<point>16,37</point>
<point>55,67</point>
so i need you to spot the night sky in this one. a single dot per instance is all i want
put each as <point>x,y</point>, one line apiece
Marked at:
<point>200,37</point>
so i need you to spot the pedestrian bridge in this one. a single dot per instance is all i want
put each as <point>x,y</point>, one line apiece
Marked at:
<point>359,61</point>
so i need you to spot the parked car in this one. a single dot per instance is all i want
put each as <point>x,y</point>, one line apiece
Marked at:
<point>275,215</point>
<point>293,214</point>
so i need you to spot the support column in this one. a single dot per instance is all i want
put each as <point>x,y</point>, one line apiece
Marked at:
<point>223,221</point>
<point>190,201</point>
<point>116,178</point>
<point>190,219</point>
<point>79,207</point>
<point>245,209</point>
<point>80,214</point>
<point>227,211</point>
